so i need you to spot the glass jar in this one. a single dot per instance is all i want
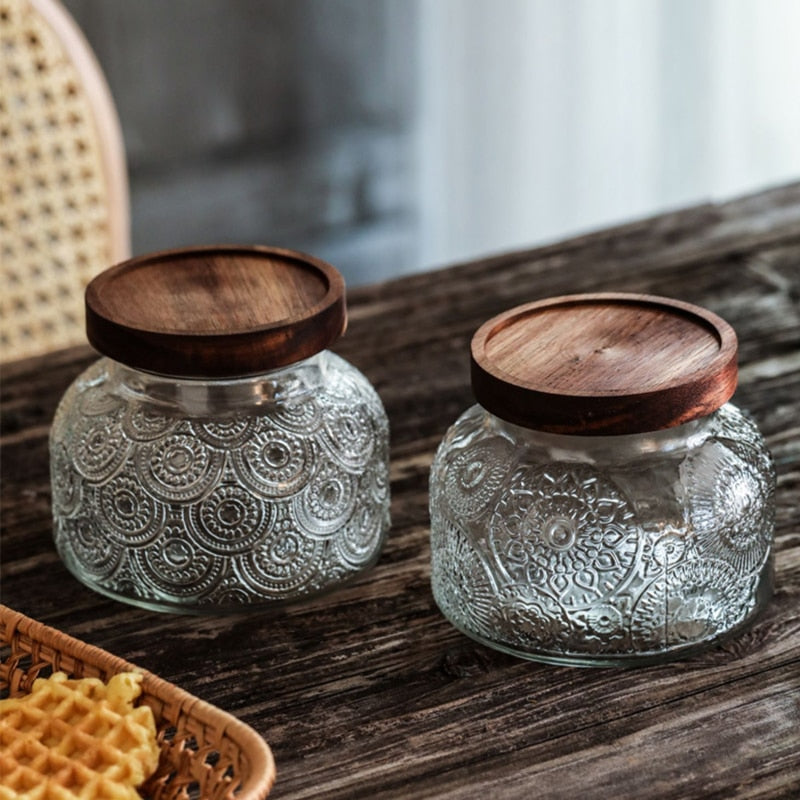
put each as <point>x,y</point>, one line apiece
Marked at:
<point>604,503</point>
<point>219,456</point>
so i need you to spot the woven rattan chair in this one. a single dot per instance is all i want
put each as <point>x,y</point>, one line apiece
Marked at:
<point>64,211</point>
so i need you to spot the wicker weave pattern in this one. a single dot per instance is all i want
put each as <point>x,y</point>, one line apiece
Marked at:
<point>205,752</point>
<point>59,194</point>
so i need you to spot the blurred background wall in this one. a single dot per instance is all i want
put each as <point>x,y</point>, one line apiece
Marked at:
<point>388,136</point>
<point>285,122</point>
<point>542,118</point>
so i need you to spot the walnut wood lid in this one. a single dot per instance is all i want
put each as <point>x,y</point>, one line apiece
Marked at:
<point>604,364</point>
<point>215,312</point>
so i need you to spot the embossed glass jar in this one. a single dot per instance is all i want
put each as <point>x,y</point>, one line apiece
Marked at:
<point>604,503</point>
<point>219,456</point>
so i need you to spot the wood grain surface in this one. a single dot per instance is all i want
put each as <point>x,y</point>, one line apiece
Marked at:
<point>604,363</point>
<point>221,311</point>
<point>369,692</point>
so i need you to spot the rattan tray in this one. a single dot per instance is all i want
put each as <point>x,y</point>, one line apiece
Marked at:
<point>205,752</point>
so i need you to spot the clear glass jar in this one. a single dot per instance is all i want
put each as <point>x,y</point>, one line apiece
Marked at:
<point>209,494</point>
<point>602,549</point>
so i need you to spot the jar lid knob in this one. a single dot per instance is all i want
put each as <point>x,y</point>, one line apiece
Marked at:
<point>604,364</point>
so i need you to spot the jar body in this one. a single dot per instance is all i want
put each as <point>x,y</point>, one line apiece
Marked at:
<point>204,496</point>
<point>608,550</point>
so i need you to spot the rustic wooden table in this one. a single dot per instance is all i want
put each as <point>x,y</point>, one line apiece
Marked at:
<point>370,692</point>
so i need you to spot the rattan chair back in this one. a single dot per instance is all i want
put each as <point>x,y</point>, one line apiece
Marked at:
<point>64,213</point>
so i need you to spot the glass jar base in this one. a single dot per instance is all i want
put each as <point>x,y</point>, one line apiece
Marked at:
<point>217,608</point>
<point>622,660</point>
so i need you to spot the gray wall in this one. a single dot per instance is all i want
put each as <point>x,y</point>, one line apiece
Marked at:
<point>286,122</point>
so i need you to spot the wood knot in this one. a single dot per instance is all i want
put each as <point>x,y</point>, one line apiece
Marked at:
<point>465,661</point>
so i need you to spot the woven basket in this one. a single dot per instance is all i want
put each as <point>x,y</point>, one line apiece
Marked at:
<point>205,752</point>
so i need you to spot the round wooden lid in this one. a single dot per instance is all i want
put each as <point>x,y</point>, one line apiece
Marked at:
<point>215,312</point>
<point>604,364</point>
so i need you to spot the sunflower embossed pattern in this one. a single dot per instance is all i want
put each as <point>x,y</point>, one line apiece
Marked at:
<point>603,503</point>
<point>219,456</point>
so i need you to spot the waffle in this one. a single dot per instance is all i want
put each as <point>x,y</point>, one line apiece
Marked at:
<point>70,739</point>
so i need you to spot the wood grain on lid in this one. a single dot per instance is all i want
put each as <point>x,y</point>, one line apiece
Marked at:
<point>609,363</point>
<point>213,312</point>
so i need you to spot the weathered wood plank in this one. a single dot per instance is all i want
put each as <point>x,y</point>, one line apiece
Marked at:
<point>370,692</point>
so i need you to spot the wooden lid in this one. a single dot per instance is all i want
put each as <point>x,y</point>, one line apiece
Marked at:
<point>604,364</point>
<point>215,312</point>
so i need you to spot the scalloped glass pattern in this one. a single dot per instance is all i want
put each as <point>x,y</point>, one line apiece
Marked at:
<point>602,550</point>
<point>200,496</point>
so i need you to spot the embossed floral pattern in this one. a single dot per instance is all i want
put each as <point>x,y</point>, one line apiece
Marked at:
<point>128,513</point>
<point>695,601</point>
<point>82,541</point>
<point>349,436</point>
<point>260,506</point>
<point>465,592</point>
<point>581,560</point>
<point>66,483</point>
<point>327,502</point>
<point>286,562</point>
<point>229,520</point>
<point>729,506</point>
<point>143,425</point>
<point>274,462</point>
<point>174,566</point>
<point>475,474</point>
<point>225,433</point>
<point>531,619</point>
<point>178,467</point>
<point>100,447</point>
<point>566,530</point>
